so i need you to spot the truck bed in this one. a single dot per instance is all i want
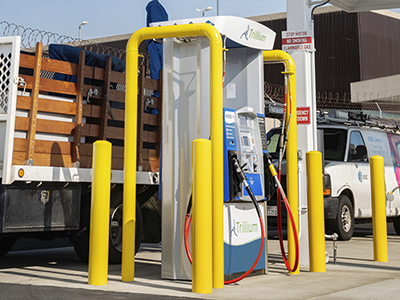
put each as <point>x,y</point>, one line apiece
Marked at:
<point>48,126</point>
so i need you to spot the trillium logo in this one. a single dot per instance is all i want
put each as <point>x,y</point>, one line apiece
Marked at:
<point>253,34</point>
<point>246,33</point>
<point>245,227</point>
<point>234,228</point>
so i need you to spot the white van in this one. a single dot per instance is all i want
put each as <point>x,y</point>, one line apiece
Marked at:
<point>348,147</point>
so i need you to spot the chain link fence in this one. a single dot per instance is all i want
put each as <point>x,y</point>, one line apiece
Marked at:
<point>327,101</point>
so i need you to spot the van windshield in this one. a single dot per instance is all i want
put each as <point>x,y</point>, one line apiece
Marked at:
<point>273,143</point>
<point>334,144</point>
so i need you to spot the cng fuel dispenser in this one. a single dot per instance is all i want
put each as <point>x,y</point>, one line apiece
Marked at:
<point>186,117</point>
<point>244,144</point>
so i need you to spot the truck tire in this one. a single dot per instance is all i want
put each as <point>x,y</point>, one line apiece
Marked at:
<point>344,222</point>
<point>116,209</point>
<point>6,244</point>
<point>81,240</point>
<point>396,225</point>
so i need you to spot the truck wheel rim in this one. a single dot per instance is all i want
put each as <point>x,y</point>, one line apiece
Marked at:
<point>346,218</point>
<point>116,228</point>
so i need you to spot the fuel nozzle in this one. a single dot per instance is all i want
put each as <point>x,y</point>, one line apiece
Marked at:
<point>240,172</point>
<point>242,178</point>
<point>271,167</point>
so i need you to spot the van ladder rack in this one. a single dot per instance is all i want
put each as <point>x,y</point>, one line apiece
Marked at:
<point>357,119</point>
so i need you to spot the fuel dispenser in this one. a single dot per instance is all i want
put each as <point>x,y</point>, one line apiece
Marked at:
<point>242,231</point>
<point>186,107</point>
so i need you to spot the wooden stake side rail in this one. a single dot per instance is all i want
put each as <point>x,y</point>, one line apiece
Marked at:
<point>149,123</point>
<point>57,123</point>
<point>32,118</point>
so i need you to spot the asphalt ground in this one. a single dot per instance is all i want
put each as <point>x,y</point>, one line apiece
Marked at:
<point>57,273</point>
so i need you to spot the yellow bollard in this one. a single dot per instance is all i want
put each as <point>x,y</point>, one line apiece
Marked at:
<point>315,203</point>
<point>202,268</point>
<point>100,213</point>
<point>378,198</point>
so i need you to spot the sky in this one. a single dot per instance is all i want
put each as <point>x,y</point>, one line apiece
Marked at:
<point>108,18</point>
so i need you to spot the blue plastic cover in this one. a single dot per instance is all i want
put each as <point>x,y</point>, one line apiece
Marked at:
<point>155,13</point>
<point>71,54</point>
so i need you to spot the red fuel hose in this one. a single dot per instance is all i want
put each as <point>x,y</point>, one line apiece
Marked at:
<point>292,222</point>
<point>295,236</point>
<point>257,259</point>
<point>188,221</point>
<point>277,176</point>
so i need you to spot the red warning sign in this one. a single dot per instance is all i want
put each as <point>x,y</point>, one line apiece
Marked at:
<point>303,115</point>
<point>296,40</point>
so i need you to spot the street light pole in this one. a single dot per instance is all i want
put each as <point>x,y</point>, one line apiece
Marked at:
<point>80,25</point>
<point>203,10</point>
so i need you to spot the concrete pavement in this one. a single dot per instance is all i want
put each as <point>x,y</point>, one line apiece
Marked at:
<point>42,274</point>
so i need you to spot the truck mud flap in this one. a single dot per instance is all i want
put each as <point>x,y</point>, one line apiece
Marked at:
<point>331,207</point>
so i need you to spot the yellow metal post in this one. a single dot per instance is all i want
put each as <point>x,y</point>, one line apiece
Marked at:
<point>129,202</point>
<point>315,203</point>
<point>378,198</point>
<point>100,213</point>
<point>202,225</point>
<point>291,152</point>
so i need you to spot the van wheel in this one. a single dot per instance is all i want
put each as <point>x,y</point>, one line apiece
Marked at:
<point>345,219</point>
<point>396,224</point>
<point>6,244</point>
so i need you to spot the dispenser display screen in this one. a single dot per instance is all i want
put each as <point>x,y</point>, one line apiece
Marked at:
<point>243,120</point>
<point>245,141</point>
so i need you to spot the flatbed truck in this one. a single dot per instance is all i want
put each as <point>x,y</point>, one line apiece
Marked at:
<point>51,113</point>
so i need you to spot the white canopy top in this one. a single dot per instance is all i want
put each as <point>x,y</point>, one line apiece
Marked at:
<point>365,5</point>
<point>242,31</point>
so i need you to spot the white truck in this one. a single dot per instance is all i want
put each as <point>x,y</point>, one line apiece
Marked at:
<point>349,142</point>
<point>51,112</point>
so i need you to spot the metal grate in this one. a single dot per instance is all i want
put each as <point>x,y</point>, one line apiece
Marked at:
<point>5,73</point>
<point>120,87</point>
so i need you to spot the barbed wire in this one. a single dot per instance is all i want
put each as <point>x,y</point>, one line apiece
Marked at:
<point>29,38</point>
<point>275,92</point>
<point>329,100</point>
<point>99,48</point>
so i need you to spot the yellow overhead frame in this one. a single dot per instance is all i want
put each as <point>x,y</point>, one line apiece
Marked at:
<point>216,113</point>
<point>291,150</point>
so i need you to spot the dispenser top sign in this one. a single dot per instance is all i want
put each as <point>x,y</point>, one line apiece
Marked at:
<point>242,31</point>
